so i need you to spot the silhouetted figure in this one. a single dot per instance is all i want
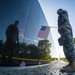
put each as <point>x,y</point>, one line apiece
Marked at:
<point>11,39</point>
<point>66,39</point>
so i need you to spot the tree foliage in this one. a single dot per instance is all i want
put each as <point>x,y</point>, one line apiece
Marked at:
<point>23,50</point>
<point>44,46</point>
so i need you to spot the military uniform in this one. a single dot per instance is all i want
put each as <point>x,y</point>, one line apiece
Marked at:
<point>66,36</point>
<point>66,39</point>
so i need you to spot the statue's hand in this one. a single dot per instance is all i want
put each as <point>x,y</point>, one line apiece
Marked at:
<point>64,27</point>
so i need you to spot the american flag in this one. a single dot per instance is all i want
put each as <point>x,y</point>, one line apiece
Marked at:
<point>44,31</point>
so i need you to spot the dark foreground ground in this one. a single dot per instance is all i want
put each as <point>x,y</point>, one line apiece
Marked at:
<point>52,68</point>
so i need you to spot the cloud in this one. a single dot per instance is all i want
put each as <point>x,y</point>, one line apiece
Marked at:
<point>26,38</point>
<point>21,35</point>
<point>31,40</point>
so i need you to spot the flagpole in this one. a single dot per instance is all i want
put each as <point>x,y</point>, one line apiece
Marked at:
<point>51,26</point>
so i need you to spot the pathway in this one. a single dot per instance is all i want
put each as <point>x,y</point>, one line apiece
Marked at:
<point>48,69</point>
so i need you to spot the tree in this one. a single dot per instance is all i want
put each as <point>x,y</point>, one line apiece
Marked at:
<point>42,51</point>
<point>2,47</point>
<point>24,50</point>
<point>20,50</point>
<point>33,51</point>
<point>44,46</point>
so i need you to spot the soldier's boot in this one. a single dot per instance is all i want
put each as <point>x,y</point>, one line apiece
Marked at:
<point>70,62</point>
<point>69,68</point>
<point>67,65</point>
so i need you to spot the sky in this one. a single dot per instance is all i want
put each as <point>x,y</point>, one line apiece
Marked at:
<point>22,10</point>
<point>50,8</point>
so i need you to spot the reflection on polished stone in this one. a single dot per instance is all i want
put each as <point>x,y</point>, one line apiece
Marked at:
<point>47,69</point>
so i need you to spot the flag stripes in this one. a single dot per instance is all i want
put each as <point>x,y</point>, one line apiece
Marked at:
<point>44,31</point>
